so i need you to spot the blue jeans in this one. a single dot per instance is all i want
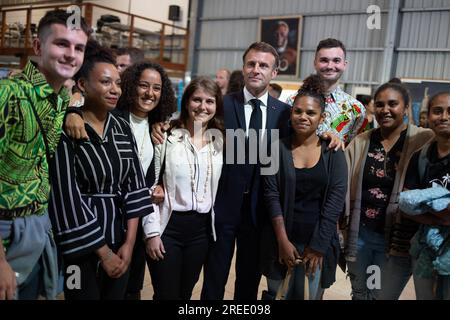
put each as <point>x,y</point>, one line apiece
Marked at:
<point>371,252</point>
<point>32,287</point>
<point>394,277</point>
<point>297,283</point>
<point>424,287</point>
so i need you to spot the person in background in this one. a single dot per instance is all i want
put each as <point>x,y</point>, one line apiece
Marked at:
<point>222,79</point>
<point>125,57</point>
<point>428,168</point>
<point>32,108</point>
<point>368,103</point>
<point>76,98</point>
<point>98,188</point>
<point>275,90</point>
<point>236,82</point>
<point>188,165</point>
<point>304,199</point>
<point>377,161</point>
<point>423,119</point>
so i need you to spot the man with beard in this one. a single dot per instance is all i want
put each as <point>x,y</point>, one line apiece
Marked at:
<point>344,115</point>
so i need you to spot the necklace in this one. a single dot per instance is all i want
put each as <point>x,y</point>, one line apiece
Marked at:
<point>191,171</point>
<point>141,149</point>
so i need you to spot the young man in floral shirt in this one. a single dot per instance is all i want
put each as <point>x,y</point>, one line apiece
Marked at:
<point>345,116</point>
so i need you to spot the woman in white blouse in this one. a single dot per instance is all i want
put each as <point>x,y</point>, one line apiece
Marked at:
<point>187,169</point>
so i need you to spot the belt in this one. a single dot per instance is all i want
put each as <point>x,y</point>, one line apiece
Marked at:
<point>101,195</point>
<point>11,214</point>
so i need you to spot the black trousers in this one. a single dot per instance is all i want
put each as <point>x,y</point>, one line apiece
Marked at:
<point>137,266</point>
<point>186,240</point>
<point>95,282</point>
<point>245,236</point>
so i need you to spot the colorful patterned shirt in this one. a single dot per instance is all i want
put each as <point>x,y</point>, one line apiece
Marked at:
<point>380,170</point>
<point>24,185</point>
<point>344,115</point>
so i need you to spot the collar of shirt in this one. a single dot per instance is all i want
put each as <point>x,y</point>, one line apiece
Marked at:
<point>110,122</point>
<point>248,96</point>
<point>40,84</point>
<point>334,94</point>
<point>248,108</point>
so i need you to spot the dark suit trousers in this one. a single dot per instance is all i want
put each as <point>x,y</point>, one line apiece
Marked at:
<point>137,266</point>
<point>248,275</point>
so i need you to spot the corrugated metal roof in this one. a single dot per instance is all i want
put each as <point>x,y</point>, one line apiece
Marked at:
<point>228,27</point>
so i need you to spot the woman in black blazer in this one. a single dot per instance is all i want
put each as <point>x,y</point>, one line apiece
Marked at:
<point>304,218</point>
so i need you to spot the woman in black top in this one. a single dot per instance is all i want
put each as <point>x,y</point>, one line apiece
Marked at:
<point>429,168</point>
<point>304,218</point>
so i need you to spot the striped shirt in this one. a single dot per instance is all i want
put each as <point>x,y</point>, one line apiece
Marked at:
<point>96,186</point>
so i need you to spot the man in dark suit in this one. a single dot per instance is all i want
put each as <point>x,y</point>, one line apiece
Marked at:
<point>239,205</point>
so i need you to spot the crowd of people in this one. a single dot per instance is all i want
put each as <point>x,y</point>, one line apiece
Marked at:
<point>109,182</point>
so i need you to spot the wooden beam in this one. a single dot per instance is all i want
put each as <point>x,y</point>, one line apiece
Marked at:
<point>161,43</point>
<point>28,29</point>
<point>130,36</point>
<point>2,43</point>
<point>88,13</point>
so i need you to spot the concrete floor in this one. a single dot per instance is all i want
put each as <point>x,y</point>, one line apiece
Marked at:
<point>340,290</point>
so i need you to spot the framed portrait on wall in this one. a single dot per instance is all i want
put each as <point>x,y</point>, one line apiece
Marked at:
<point>284,34</point>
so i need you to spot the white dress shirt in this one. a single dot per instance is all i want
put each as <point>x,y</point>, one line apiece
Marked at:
<point>188,162</point>
<point>144,143</point>
<point>248,108</point>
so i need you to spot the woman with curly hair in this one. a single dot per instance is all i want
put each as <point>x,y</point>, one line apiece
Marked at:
<point>304,199</point>
<point>147,98</point>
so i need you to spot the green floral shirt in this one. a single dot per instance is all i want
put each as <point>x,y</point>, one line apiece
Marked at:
<point>24,183</point>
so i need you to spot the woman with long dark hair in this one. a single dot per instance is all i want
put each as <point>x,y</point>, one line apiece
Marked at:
<point>188,165</point>
<point>377,235</point>
<point>147,98</point>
